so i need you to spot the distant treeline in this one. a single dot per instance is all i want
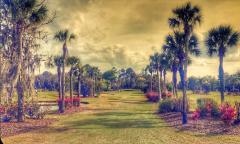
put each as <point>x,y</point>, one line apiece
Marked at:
<point>114,79</point>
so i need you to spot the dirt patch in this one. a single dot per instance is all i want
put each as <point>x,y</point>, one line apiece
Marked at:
<point>202,126</point>
<point>14,128</point>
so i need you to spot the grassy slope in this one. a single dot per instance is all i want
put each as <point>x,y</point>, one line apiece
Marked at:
<point>116,118</point>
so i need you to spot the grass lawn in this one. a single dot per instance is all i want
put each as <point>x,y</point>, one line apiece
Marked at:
<point>117,118</point>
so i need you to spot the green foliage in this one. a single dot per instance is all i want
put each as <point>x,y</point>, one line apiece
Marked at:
<point>34,111</point>
<point>208,106</point>
<point>110,75</point>
<point>166,105</point>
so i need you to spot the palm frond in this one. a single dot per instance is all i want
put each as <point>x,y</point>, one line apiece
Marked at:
<point>39,15</point>
<point>233,39</point>
<point>193,46</point>
<point>173,23</point>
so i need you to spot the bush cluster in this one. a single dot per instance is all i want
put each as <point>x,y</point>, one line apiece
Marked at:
<point>9,112</point>
<point>170,105</point>
<point>209,108</point>
<point>152,96</point>
<point>68,102</point>
<point>228,113</point>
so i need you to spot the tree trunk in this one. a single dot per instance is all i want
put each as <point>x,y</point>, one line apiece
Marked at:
<point>79,86</point>
<point>164,80</point>
<point>59,83</point>
<point>159,86</point>
<point>71,85</point>
<point>184,113</point>
<point>63,77</point>
<point>151,83</point>
<point>94,86</point>
<point>187,32</point>
<point>221,78</point>
<point>10,92</point>
<point>20,92</point>
<point>19,75</point>
<point>174,81</point>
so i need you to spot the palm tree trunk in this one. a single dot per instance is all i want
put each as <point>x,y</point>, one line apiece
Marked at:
<point>79,86</point>
<point>20,89</point>
<point>184,113</point>
<point>151,83</point>
<point>174,81</point>
<point>63,78</point>
<point>93,87</point>
<point>59,83</point>
<point>71,89</point>
<point>221,78</point>
<point>164,80</point>
<point>182,76</point>
<point>159,86</point>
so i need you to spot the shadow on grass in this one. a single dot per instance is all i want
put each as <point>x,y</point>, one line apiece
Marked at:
<point>111,120</point>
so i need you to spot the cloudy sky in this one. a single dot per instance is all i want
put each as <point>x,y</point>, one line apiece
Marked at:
<point>124,33</point>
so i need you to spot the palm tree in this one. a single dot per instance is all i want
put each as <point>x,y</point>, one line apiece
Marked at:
<point>173,47</point>
<point>58,62</point>
<point>72,62</point>
<point>64,36</point>
<point>164,67</point>
<point>155,61</point>
<point>79,73</point>
<point>149,68</point>
<point>25,16</point>
<point>185,17</point>
<point>218,41</point>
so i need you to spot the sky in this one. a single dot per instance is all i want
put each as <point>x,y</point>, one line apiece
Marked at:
<point>124,33</point>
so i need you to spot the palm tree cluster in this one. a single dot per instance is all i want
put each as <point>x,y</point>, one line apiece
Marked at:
<point>20,35</point>
<point>182,43</point>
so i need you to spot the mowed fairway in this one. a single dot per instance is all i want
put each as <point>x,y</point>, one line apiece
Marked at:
<point>115,118</point>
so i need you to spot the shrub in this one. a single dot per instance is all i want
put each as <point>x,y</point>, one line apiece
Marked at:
<point>166,94</point>
<point>6,118</point>
<point>228,113</point>
<point>207,107</point>
<point>166,105</point>
<point>68,102</point>
<point>11,111</point>
<point>76,101</point>
<point>196,114</point>
<point>152,96</point>
<point>215,112</point>
<point>203,111</point>
<point>34,111</point>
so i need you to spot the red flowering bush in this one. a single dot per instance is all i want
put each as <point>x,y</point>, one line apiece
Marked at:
<point>76,101</point>
<point>196,114</point>
<point>208,107</point>
<point>152,96</point>
<point>228,113</point>
<point>166,94</point>
<point>68,102</point>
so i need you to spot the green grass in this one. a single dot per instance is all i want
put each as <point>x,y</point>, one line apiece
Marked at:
<point>47,95</point>
<point>116,118</point>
